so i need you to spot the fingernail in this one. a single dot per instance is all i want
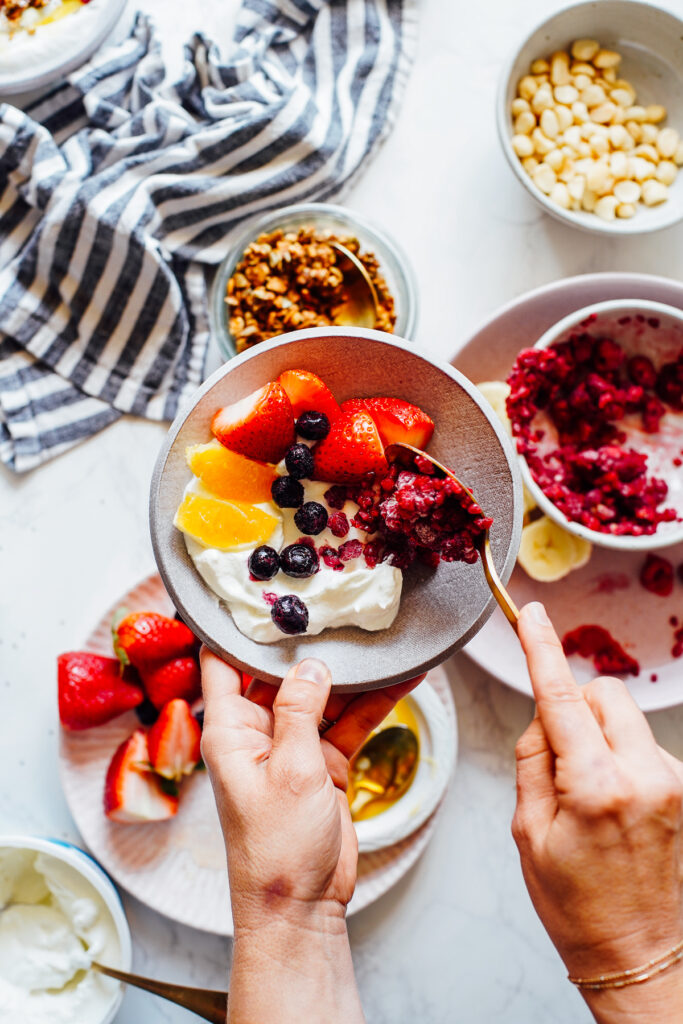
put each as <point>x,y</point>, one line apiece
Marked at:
<point>538,613</point>
<point>311,668</point>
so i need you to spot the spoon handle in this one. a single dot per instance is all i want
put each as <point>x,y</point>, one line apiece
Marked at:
<point>208,1004</point>
<point>508,606</point>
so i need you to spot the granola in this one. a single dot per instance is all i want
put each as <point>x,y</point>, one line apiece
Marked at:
<point>286,281</point>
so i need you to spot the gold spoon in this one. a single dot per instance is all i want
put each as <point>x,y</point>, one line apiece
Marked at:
<point>384,767</point>
<point>405,453</point>
<point>206,1003</point>
<point>361,304</point>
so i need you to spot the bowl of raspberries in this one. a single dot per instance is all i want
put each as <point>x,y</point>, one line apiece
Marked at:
<point>596,409</point>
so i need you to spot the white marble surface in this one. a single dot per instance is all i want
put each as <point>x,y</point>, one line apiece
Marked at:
<point>458,940</point>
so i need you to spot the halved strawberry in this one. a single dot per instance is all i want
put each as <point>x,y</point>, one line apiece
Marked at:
<point>396,420</point>
<point>92,691</point>
<point>133,793</point>
<point>146,638</point>
<point>307,392</point>
<point>351,449</point>
<point>260,426</point>
<point>167,680</point>
<point>174,741</point>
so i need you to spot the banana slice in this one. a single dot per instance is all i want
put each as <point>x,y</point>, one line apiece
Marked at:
<point>548,552</point>
<point>496,392</point>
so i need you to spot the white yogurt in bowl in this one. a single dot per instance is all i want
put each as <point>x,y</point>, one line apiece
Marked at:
<point>58,913</point>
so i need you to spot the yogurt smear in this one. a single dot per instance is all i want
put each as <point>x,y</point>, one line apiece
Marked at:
<point>53,924</point>
<point>358,596</point>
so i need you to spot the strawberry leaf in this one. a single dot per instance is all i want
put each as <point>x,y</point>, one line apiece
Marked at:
<point>169,786</point>
<point>119,615</point>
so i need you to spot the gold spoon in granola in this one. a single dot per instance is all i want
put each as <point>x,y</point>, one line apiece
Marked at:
<point>360,305</point>
<point>405,454</point>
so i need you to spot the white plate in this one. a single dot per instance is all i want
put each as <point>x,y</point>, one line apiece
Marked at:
<point>178,867</point>
<point>59,48</point>
<point>638,619</point>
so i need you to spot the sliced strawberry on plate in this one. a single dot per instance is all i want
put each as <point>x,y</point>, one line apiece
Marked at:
<point>167,680</point>
<point>133,793</point>
<point>396,420</point>
<point>146,638</point>
<point>92,691</point>
<point>307,392</point>
<point>174,741</point>
<point>351,449</point>
<point>260,426</point>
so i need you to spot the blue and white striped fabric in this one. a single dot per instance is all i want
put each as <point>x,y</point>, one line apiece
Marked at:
<point>119,188</point>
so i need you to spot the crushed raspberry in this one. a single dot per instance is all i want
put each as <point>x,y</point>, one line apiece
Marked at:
<point>679,571</point>
<point>335,496</point>
<point>673,620</point>
<point>269,597</point>
<point>338,524</point>
<point>586,387</point>
<point>654,677</point>
<point>372,553</point>
<point>350,549</point>
<point>677,649</point>
<point>608,582</point>
<point>331,558</point>
<point>657,575</point>
<point>597,643</point>
<point>308,541</point>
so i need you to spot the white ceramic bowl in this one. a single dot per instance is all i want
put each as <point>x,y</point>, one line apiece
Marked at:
<point>438,748</point>
<point>57,48</point>
<point>649,40</point>
<point>643,339</point>
<point>90,870</point>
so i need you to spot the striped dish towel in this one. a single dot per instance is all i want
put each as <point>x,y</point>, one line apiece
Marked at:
<point>119,189</point>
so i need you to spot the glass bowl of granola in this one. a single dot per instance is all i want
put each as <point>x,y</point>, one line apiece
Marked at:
<point>282,275</point>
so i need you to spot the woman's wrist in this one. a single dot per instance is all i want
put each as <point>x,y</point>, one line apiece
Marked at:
<point>659,999</point>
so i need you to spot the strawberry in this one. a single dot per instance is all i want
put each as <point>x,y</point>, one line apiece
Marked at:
<point>167,680</point>
<point>307,392</point>
<point>92,691</point>
<point>145,638</point>
<point>260,426</point>
<point>351,449</point>
<point>396,420</point>
<point>173,741</point>
<point>132,793</point>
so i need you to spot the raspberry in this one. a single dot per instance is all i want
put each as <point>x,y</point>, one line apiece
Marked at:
<point>263,563</point>
<point>350,549</point>
<point>314,426</point>
<point>331,558</point>
<point>335,496</point>
<point>299,461</point>
<point>290,614</point>
<point>299,561</point>
<point>657,575</point>
<point>338,524</point>
<point>311,518</point>
<point>597,643</point>
<point>287,492</point>
<point>641,370</point>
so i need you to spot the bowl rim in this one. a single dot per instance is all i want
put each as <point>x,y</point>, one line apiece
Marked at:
<point>418,802</point>
<point>634,226</point>
<point>505,569</point>
<point>256,224</point>
<point>85,865</point>
<point>650,542</point>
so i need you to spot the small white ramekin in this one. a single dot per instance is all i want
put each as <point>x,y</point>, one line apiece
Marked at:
<point>668,533</point>
<point>90,870</point>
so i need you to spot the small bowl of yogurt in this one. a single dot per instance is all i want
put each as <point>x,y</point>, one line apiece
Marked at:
<point>59,912</point>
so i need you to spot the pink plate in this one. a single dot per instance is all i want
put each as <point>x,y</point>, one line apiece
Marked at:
<point>178,867</point>
<point>606,591</point>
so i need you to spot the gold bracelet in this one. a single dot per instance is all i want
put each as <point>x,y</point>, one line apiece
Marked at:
<point>634,976</point>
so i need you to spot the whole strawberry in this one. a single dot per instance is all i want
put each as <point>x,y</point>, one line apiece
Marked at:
<point>351,450</point>
<point>144,639</point>
<point>92,690</point>
<point>167,680</point>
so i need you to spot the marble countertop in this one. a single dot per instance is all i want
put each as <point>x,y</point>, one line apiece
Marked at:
<point>458,939</point>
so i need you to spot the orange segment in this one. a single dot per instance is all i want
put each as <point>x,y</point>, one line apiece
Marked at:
<point>223,524</point>
<point>229,475</point>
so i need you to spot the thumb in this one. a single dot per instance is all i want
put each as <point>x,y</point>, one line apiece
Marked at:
<point>297,712</point>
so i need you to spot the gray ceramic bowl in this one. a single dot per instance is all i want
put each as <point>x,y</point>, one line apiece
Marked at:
<point>440,610</point>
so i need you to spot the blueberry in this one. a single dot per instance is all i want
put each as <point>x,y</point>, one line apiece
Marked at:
<point>146,712</point>
<point>264,562</point>
<point>287,492</point>
<point>200,718</point>
<point>313,425</point>
<point>299,461</point>
<point>311,518</point>
<point>299,560</point>
<point>290,614</point>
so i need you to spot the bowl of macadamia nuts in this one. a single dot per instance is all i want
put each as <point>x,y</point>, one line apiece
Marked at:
<point>590,116</point>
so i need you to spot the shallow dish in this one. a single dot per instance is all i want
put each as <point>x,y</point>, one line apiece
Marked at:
<point>393,263</point>
<point>608,314</point>
<point>438,741</point>
<point>93,874</point>
<point>57,48</point>
<point>606,591</point>
<point>649,39</point>
<point>440,609</point>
